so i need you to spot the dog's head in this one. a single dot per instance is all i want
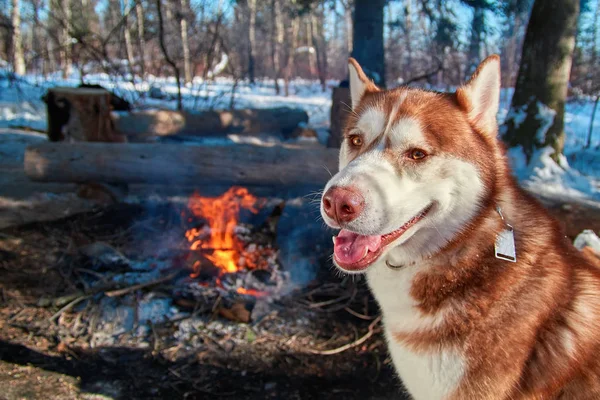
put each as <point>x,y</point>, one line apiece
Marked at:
<point>415,168</point>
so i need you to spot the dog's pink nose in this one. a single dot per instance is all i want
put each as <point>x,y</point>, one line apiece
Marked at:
<point>343,204</point>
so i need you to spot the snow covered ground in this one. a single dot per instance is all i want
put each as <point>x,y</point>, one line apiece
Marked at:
<point>21,104</point>
<point>577,178</point>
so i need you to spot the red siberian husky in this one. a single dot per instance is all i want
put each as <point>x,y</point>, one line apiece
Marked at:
<point>482,295</point>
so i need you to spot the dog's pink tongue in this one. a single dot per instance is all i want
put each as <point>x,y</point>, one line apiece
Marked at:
<point>351,247</point>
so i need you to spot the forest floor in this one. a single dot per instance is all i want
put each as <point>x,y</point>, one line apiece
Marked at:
<point>278,355</point>
<point>274,356</point>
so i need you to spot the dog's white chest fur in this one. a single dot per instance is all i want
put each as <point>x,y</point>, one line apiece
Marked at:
<point>427,375</point>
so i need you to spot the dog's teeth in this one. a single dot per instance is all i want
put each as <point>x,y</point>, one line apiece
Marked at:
<point>333,239</point>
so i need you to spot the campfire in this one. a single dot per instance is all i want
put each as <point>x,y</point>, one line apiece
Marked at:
<point>222,251</point>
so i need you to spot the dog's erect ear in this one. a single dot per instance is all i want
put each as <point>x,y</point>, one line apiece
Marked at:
<point>359,83</point>
<point>480,97</point>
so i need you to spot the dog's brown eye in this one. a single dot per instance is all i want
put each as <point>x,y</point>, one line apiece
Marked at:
<point>356,141</point>
<point>417,154</point>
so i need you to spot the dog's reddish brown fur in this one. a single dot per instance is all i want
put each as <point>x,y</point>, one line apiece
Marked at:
<point>527,330</point>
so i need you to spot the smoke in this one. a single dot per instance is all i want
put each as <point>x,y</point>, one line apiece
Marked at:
<point>302,240</point>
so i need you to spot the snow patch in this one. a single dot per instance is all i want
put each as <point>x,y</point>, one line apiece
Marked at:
<point>155,309</point>
<point>544,114</point>
<point>546,177</point>
<point>587,238</point>
<point>518,160</point>
<point>546,117</point>
<point>517,115</point>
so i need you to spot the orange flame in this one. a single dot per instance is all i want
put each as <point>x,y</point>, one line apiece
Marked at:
<point>221,213</point>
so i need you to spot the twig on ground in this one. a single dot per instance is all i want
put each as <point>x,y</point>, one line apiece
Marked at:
<point>68,306</point>
<point>348,346</point>
<point>209,392</point>
<point>16,315</point>
<point>334,304</point>
<point>127,290</point>
<point>359,315</point>
<point>156,340</point>
<point>328,302</point>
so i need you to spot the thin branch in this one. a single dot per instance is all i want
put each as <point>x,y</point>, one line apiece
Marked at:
<point>426,75</point>
<point>161,39</point>
<point>357,342</point>
<point>127,290</point>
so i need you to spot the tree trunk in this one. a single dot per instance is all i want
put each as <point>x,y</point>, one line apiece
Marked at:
<point>80,114</point>
<point>187,67</point>
<point>310,45</point>
<point>65,39</point>
<point>596,36</point>
<point>17,42</point>
<point>251,38</point>
<point>340,98</point>
<point>140,37</point>
<point>477,31</point>
<point>276,41</point>
<point>348,21</point>
<point>182,165</point>
<point>127,36</point>
<point>291,54</point>
<point>408,39</point>
<point>511,50</point>
<point>543,77</point>
<point>318,40</point>
<point>53,39</point>
<point>168,59</point>
<point>36,34</point>
<point>368,45</point>
<point>591,128</point>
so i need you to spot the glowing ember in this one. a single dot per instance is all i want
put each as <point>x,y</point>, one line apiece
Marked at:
<point>222,246</point>
<point>251,292</point>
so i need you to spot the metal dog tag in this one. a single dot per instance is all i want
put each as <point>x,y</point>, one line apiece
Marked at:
<point>505,245</point>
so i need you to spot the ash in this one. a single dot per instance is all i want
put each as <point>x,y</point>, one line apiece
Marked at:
<point>113,287</point>
<point>142,279</point>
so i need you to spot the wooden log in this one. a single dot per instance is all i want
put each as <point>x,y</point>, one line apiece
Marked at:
<point>181,165</point>
<point>80,114</point>
<point>281,120</point>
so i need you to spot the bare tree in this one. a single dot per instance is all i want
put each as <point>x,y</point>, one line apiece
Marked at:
<point>66,60</point>
<point>168,59</point>
<point>127,35</point>
<point>187,68</point>
<point>251,39</point>
<point>276,40</point>
<point>17,42</point>
<point>291,52</point>
<point>320,45</point>
<point>141,41</point>
<point>36,33</point>
<point>310,45</point>
<point>596,36</point>
<point>477,39</point>
<point>348,7</point>
<point>408,37</point>
<point>52,39</point>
